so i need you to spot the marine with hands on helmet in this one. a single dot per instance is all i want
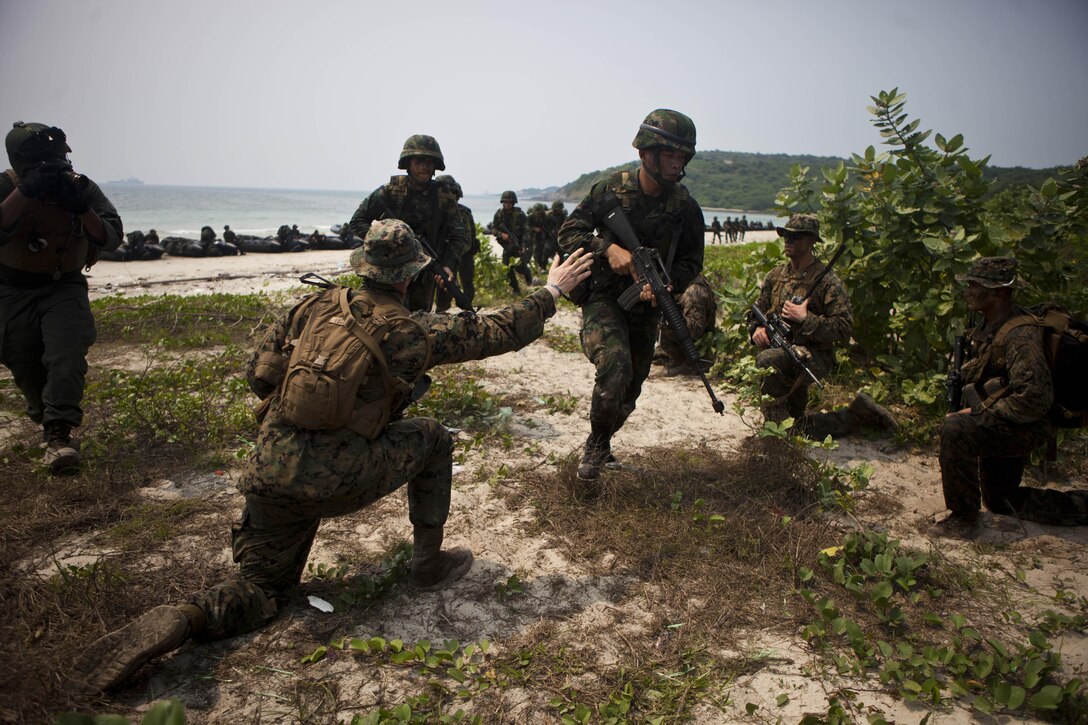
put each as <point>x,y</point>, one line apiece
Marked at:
<point>53,222</point>
<point>619,342</point>
<point>429,208</point>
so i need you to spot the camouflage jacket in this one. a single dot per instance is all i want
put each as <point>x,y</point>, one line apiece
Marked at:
<point>469,223</point>
<point>287,459</point>
<point>430,213</point>
<point>515,222</point>
<point>555,221</point>
<point>829,320</point>
<point>673,220</point>
<point>69,244</point>
<point>1022,373</point>
<point>537,218</point>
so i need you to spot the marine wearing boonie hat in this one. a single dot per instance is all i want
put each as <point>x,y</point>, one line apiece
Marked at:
<point>991,272</point>
<point>801,224</point>
<point>390,253</point>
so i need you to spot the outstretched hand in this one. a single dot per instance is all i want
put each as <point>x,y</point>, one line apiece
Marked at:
<point>567,274</point>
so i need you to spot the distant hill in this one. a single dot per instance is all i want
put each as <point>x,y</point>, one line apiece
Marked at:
<point>739,180</point>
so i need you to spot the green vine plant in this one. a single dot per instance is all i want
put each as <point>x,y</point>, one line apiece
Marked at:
<point>943,661</point>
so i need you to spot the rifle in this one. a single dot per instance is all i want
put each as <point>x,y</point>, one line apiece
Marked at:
<point>778,331</point>
<point>516,248</point>
<point>650,270</point>
<point>954,382</point>
<point>455,291</point>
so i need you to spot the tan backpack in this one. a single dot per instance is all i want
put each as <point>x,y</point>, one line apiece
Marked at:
<point>335,353</point>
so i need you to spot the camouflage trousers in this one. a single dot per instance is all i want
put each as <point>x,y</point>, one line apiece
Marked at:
<point>516,265</point>
<point>45,333</point>
<point>787,384</point>
<point>296,478</point>
<point>972,473</point>
<point>620,344</point>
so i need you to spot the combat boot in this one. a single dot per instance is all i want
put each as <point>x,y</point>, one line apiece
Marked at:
<point>60,455</point>
<point>597,452</point>
<point>433,568</point>
<point>867,411</point>
<point>114,658</point>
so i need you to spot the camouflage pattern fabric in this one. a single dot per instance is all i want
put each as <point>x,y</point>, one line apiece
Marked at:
<point>829,322</point>
<point>699,307</point>
<point>796,224</point>
<point>515,257</point>
<point>466,270</point>
<point>399,200</point>
<point>620,343</point>
<point>983,453</point>
<point>991,272</point>
<point>537,218</point>
<point>296,477</point>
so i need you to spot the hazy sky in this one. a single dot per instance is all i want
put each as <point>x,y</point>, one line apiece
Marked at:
<point>322,94</point>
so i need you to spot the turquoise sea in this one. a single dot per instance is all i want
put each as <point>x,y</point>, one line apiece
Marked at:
<point>183,210</point>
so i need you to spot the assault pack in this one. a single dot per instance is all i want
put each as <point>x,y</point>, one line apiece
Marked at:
<point>334,363</point>
<point>1065,343</point>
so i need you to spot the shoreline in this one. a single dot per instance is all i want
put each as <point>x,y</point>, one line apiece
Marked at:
<point>247,273</point>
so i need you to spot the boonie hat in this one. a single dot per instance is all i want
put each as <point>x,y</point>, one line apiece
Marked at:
<point>390,253</point>
<point>991,272</point>
<point>801,224</point>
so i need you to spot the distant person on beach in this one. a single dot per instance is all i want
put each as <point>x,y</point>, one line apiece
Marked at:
<point>716,228</point>
<point>152,237</point>
<point>430,209</point>
<point>229,236</point>
<point>511,228</point>
<point>619,342</point>
<point>298,475</point>
<point>466,270</point>
<point>53,222</point>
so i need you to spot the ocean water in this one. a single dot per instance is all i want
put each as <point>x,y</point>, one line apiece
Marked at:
<point>182,210</point>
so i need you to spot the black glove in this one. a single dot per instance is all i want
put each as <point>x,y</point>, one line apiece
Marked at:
<point>70,197</point>
<point>38,182</point>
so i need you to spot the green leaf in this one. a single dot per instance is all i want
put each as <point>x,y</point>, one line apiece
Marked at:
<point>1016,697</point>
<point>1047,698</point>
<point>782,699</point>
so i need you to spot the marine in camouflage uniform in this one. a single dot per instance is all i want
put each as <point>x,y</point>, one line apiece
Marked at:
<point>511,228</point>
<point>466,269</point>
<point>537,218</point>
<point>429,208</point>
<point>700,308</point>
<point>619,342</point>
<point>817,324</point>
<point>53,221</point>
<point>556,216</point>
<point>984,450</point>
<point>298,476</point>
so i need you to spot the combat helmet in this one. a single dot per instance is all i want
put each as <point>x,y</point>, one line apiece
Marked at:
<point>420,145</point>
<point>665,128</point>
<point>30,143</point>
<point>451,184</point>
<point>557,205</point>
<point>508,196</point>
